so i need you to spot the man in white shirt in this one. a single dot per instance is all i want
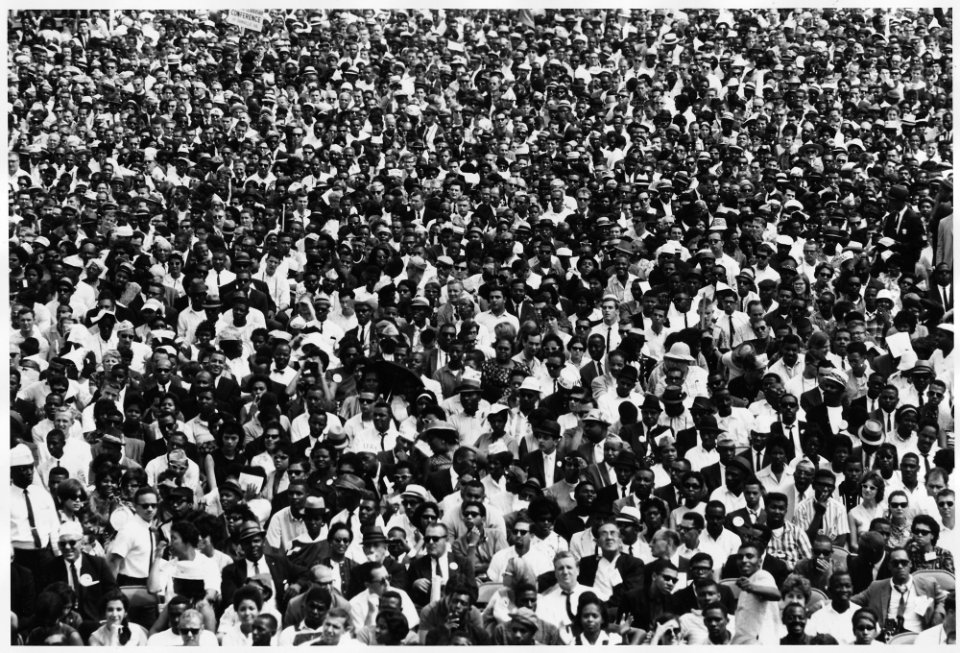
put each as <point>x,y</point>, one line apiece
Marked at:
<point>835,618</point>
<point>365,606</point>
<point>558,605</point>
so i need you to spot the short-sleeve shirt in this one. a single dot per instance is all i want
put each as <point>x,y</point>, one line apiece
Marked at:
<point>757,619</point>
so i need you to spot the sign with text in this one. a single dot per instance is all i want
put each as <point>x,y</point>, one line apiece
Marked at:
<point>247,19</point>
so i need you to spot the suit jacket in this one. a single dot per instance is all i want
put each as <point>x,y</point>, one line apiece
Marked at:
<point>743,514</point>
<point>713,475</point>
<point>777,430</point>
<point>421,568</point>
<point>533,464</point>
<point>686,440</point>
<point>630,568</point>
<point>878,593</point>
<point>933,293</point>
<point>602,475</point>
<point>24,587</point>
<point>811,398</point>
<point>439,484</point>
<point>588,373</point>
<point>281,569</point>
<point>685,600</point>
<point>226,392</point>
<point>777,568</point>
<point>89,596</point>
<point>818,415</point>
<point>910,232</point>
<point>861,571</point>
<point>569,524</point>
<point>151,391</point>
<point>668,494</point>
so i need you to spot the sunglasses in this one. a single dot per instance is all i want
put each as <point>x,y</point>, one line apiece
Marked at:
<point>945,504</point>
<point>900,563</point>
<point>147,506</point>
<point>431,538</point>
<point>898,505</point>
<point>190,631</point>
<point>921,533</point>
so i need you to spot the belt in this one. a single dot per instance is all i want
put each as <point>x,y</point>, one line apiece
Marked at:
<point>130,581</point>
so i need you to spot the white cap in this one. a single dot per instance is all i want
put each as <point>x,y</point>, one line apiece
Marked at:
<point>21,456</point>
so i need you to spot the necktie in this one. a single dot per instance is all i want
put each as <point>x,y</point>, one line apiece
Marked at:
<point>753,516</point>
<point>361,337</point>
<point>33,520</point>
<point>383,440</point>
<point>902,606</point>
<point>926,462</point>
<point>256,567</point>
<point>730,319</point>
<point>889,423</point>
<point>623,491</point>
<point>435,589</point>
<point>74,579</point>
<point>321,327</point>
<point>218,279</point>
<point>609,334</point>
<point>759,464</point>
<point>599,369</point>
<point>570,612</point>
<point>920,400</point>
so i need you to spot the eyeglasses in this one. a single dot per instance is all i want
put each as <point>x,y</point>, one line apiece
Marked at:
<point>670,579</point>
<point>69,544</point>
<point>921,532</point>
<point>341,540</point>
<point>900,562</point>
<point>431,538</point>
<point>823,554</point>
<point>148,506</point>
<point>898,505</point>
<point>519,531</point>
<point>945,504</point>
<point>190,631</point>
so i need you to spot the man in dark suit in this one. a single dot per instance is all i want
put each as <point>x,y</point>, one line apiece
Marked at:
<point>624,469</point>
<point>629,570</point>
<point>594,368</point>
<point>246,286</point>
<point>904,225</point>
<point>89,576</point>
<point>714,474</point>
<point>226,390</point>
<point>288,579</point>
<point>428,574</point>
<point>442,483</point>
<point>703,413</point>
<point>699,567</point>
<point>163,381</point>
<point>880,593</point>
<point>753,512</point>
<point>759,536</point>
<point>867,564</point>
<point>547,434</point>
<point>672,494</point>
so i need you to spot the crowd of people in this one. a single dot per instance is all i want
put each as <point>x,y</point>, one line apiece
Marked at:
<point>456,327</point>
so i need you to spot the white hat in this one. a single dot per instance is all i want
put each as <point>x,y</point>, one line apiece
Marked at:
<point>531,384</point>
<point>21,456</point>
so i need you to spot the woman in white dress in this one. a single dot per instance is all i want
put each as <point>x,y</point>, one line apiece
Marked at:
<point>116,629</point>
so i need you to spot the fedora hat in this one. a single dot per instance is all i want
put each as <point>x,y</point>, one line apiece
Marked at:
<point>871,433</point>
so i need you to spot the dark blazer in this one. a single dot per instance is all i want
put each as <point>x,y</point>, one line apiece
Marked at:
<point>777,568</point>
<point>777,430</point>
<point>89,597</point>
<point>811,398</point>
<point>281,569</point>
<point>133,449</point>
<point>668,494</point>
<point>686,440</point>
<point>743,514</point>
<point>877,597</point>
<point>420,568</point>
<point>818,415</point>
<point>861,571</point>
<point>910,233</point>
<point>24,588</point>
<point>439,484</point>
<point>533,464</point>
<point>713,475</point>
<point>588,373</point>
<point>630,568</point>
<point>151,391</point>
<point>226,392</point>
<point>569,524</point>
<point>685,600</point>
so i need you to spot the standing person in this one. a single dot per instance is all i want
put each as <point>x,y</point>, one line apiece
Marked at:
<point>757,618</point>
<point>133,554</point>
